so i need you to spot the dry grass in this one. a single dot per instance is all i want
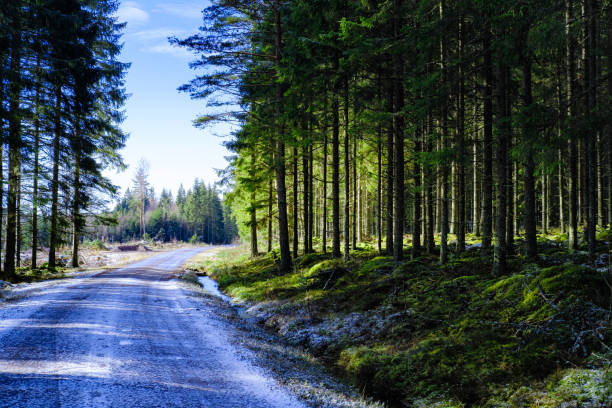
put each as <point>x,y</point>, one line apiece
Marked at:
<point>217,256</point>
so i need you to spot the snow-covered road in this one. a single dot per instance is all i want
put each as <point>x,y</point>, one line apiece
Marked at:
<point>133,337</point>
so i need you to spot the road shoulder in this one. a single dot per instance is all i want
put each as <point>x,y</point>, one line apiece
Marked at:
<point>292,368</point>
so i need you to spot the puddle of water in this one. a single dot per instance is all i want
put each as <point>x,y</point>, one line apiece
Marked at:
<point>212,287</point>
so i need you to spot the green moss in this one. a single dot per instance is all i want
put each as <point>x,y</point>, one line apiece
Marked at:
<point>324,265</point>
<point>507,288</point>
<point>575,387</point>
<point>437,401</point>
<point>244,273</point>
<point>464,336</point>
<point>433,365</point>
<point>378,369</point>
<point>309,259</point>
<point>27,274</point>
<point>584,386</point>
<point>604,234</point>
<point>570,283</point>
<point>379,264</point>
<point>278,287</point>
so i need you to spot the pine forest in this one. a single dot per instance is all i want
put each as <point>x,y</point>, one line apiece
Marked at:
<point>415,208</point>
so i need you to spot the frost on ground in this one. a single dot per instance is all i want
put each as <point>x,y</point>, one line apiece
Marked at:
<point>136,336</point>
<point>292,367</point>
<point>92,265</point>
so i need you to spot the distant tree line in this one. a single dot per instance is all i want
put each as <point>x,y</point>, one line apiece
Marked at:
<point>62,90</point>
<point>364,119</point>
<point>196,215</point>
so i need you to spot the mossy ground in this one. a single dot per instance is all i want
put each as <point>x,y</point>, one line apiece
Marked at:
<point>539,335</point>
<point>27,274</point>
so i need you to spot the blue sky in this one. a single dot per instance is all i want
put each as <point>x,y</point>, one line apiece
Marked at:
<point>159,118</point>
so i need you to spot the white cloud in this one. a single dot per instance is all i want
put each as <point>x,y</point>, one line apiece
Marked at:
<point>158,34</point>
<point>156,41</point>
<point>132,13</point>
<point>169,49</point>
<point>182,10</point>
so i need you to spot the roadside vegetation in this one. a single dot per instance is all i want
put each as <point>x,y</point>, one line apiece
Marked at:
<point>431,183</point>
<point>417,333</point>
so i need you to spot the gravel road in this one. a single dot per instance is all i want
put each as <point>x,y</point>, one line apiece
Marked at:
<point>132,337</point>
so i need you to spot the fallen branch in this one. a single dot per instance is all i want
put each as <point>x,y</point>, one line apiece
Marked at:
<point>545,297</point>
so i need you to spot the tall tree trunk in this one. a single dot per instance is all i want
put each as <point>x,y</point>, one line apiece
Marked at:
<point>429,193</point>
<point>398,190</point>
<point>270,205</point>
<point>444,218</point>
<point>561,183</point>
<point>356,181</point>
<point>14,167</point>
<point>311,195</point>
<point>591,161</point>
<point>499,260</point>
<point>581,182</point>
<point>548,201</point>
<point>53,234</point>
<point>597,14</point>
<point>416,175</point>
<point>573,207</point>
<point>543,205</point>
<point>281,192</point>
<point>379,189</point>
<point>476,178</point>
<point>461,153</point>
<point>509,196</point>
<point>390,171</point>
<point>453,188</point>
<point>324,232</point>
<point>318,216</point>
<point>438,203</point>
<point>14,163</point>
<point>295,204</point>
<point>609,125</point>
<point>19,235</point>
<point>253,225</point>
<point>561,151</point>
<point>600,189</point>
<point>35,171</point>
<point>487,176</point>
<point>529,165</point>
<point>444,142</point>
<point>335,174</point>
<point>423,194</point>
<point>515,197</point>
<point>347,172</point>
<point>355,193</point>
<point>306,195</point>
<point>252,212</point>
<point>76,218</point>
